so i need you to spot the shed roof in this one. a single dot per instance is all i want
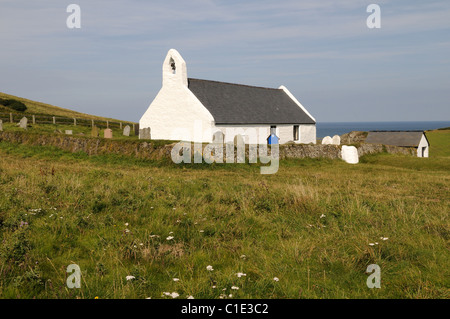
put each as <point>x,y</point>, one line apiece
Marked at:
<point>396,138</point>
<point>243,104</point>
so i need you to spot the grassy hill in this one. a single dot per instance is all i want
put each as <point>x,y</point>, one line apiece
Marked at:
<point>439,142</point>
<point>34,107</point>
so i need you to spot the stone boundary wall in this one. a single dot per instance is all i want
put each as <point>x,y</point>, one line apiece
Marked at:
<point>148,150</point>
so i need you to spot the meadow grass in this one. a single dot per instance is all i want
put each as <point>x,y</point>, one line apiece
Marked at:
<point>61,129</point>
<point>34,107</point>
<point>439,142</point>
<point>310,225</point>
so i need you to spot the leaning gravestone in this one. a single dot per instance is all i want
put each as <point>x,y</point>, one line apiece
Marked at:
<point>107,133</point>
<point>69,132</point>
<point>336,140</point>
<point>23,123</point>
<point>349,154</point>
<point>1,126</point>
<point>126,131</point>
<point>136,129</point>
<point>327,140</point>
<point>144,134</point>
<point>94,132</point>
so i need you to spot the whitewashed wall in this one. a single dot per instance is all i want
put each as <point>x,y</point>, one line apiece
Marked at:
<point>176,113</point>
<point>285,133</point>
<point>423,143</point>
<point>308,133</point>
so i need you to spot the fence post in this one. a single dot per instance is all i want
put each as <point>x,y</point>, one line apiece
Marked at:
<point>10,117</point>
<point>74,122</point>
<point>92,123</point>
<point>120,125</point>
<point>134,130</point>
<point>107,124</point>
<point>54,120</point>
<point>34,119</point>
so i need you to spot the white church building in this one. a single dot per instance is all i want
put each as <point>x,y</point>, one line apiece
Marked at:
<point>187,109</point>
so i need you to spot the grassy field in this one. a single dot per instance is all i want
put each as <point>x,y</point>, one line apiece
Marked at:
<point>315,225</point>
<point>439,142</point>
<point>34,107</point>
<point>60,128</point>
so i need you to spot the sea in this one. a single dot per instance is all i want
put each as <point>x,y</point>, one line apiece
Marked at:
<point>339,128</point>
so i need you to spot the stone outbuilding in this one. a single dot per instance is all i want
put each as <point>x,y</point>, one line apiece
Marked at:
<point>415,139</point>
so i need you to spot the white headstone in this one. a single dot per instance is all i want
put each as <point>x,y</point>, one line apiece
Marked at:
<point>349,154</point>
<point>126,130</point>
<point>336,140</point>
<point>69,132</point>
<point>327,140</point>
<point>23,123</point>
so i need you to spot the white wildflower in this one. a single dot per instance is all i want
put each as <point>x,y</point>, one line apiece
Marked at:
<point>322,216</point>
<point>176,279</point>
<point>276,279</point>
<point>190,297</point>
<point>235,288</point>
<point>210,268</point>
<point>240,274</point>
<point>130,277</point>
<point>174,295</point>
<point>169,238</point>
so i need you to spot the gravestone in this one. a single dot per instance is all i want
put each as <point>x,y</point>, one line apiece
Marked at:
<point>239,140</point>
<point>94,132</point>
<point>69,132</point>
<point>1,126</point>
<point>136,129</point>
<point>144,134</point>
<point>23,123</point>
<point>336,140</point>
<point>327,140</point>
<point>349,154</point>
<point>126,131</point>
<point>218,137</point>
<point>107,133</point>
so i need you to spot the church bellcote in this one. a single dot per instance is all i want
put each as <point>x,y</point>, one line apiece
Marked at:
<point>174,69</point>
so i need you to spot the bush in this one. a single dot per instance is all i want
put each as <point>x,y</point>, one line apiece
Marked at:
<point>14,104</point>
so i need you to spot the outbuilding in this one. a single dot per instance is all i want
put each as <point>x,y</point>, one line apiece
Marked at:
<point>416,139</point>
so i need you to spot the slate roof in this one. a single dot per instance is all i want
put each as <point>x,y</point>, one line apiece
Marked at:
<point>395,138</point>
<point>242,104</point>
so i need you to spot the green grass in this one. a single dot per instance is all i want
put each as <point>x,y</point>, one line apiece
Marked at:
<point>60,129</point>
<point>310,225</point>
<point>34,107</point>
<point>439,142</point>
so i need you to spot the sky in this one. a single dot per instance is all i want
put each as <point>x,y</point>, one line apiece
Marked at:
<point>322,51</point>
